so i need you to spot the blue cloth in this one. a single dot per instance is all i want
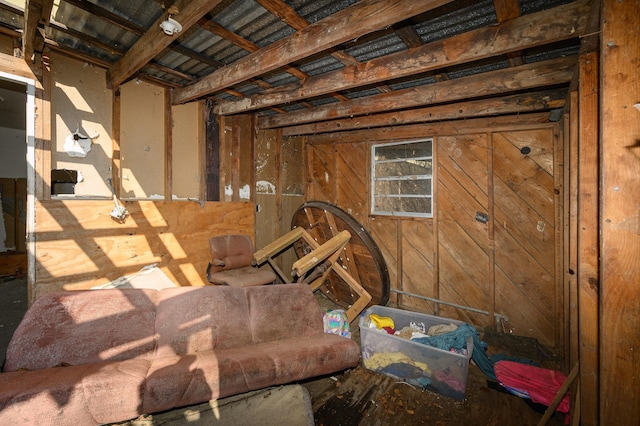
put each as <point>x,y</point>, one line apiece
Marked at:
<point>457,339</point>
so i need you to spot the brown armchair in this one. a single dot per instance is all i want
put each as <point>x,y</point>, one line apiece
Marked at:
<point>232,263</point>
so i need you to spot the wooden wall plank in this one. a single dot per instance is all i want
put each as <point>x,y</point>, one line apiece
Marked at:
<point>503,105</point>
<point>588,252</point>
<point>320,173</point>
<point>571,240</point>
<point>620,214</point>
<point>266,187</point>
<point>417,264</point>
<point>292,184</point>
<point>385,232</point>
<point>522,173</point>
<point>80,246</point>
<point>352,180</point>
<point>211,152</point>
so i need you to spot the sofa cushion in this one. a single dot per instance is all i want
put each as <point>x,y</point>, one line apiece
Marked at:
<point>84,327</point>
<point>175,381</point>
<point>300,358</point>
<point>87,394</point>
<point>195,319</point>
<point>283,311</point>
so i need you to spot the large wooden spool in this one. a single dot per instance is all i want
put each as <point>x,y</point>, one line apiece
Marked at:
<point>361,257</point>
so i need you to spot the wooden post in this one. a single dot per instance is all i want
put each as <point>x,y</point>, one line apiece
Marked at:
<point>168,146</point>
<point>619,346</point>
<point>588,284</point>
<point>116,163</point>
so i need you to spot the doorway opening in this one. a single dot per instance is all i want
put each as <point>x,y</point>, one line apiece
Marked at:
<point>17,118</point>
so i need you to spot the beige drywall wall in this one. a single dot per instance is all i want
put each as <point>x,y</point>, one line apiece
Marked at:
<point>142,140</point>
<point>187,135</point>
<point>81,102</point>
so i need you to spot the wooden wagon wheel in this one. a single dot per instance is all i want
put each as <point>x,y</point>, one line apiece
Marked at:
<point>361,257</point>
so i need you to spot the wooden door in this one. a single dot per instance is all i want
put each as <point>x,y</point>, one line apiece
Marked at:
<point>463,242</point>
<point>524,233</point>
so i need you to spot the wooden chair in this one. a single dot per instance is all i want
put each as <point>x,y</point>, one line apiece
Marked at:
<point>232,263</point>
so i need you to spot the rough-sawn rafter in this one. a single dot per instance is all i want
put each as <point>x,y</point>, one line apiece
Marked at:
<point>561,23</point>
<point>362,18</point>
<point>155,40</point>
<point>524,77</point>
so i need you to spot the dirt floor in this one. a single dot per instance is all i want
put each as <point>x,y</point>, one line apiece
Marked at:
<point>359,397</point>
<point>364,398</point>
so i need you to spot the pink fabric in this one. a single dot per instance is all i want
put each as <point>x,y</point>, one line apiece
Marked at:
<point>540,384</point>
<point>212,342</point>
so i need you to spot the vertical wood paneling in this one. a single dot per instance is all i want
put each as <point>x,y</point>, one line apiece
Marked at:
<point>463,245</point>
<point>292,183</point>
<point>571,241</point>
<point>266,188</point>
<point>243,158</point>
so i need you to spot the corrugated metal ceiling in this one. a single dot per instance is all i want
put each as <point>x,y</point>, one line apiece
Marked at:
<point>103,30</point>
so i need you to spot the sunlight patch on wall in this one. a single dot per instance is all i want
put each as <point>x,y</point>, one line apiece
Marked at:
<point>63,256</point>
<point>172,245</point>
<point>127,250</point>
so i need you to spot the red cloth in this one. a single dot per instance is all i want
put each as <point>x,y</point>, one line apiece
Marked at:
<point>540,384</point>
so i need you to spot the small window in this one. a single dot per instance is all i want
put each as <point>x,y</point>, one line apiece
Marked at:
<point>402,178</point>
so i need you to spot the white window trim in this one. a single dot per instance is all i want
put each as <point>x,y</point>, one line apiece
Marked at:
<point>409,177</point>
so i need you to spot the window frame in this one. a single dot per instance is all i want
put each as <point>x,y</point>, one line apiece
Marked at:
<point>373,179</point>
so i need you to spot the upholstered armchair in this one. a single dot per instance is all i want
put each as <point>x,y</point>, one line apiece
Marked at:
<point>232,263</point>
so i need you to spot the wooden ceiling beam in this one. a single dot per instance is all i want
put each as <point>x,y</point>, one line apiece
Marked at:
<point>35,11</point>
<point>119,51</point>
<point>561,23</point>
<point>155,40</point>
<point>230,36</point>
<point>139,30</point>
<point>361,18</point>
<point>524,77</point>
<point>505,10</point>
<point>292,18</point>
<point>512,104</point>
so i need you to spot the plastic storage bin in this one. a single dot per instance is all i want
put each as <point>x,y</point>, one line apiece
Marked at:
<point>419,364</point>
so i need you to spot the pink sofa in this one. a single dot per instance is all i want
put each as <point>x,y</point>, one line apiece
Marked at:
<point>103,356</point>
